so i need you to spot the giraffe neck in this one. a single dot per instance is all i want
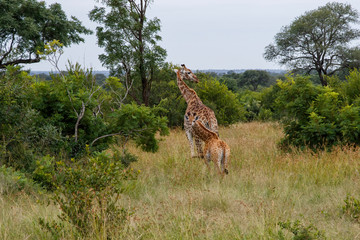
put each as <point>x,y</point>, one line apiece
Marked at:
<point>188,93</point>
<point>204,133</point>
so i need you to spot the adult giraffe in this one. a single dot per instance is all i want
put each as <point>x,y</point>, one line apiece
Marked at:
<point>195,108</point>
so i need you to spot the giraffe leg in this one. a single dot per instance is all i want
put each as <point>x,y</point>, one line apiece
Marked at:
<point>199,146</point>
<point>189,136</point>
<point>226,160</point>
<point>207,159</point>
<point>219,162</point>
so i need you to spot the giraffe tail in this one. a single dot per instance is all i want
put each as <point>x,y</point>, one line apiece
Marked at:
<point>225,160</point>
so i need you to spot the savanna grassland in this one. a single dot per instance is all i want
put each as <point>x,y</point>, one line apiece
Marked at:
<point>175,197</point>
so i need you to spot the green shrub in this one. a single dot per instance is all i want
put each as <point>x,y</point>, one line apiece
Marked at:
<point>66,100</point>
<point>352,208</point>
<point>12,182</point>
<point>317,117</point>
<point>351,87</point>
<point>223,102</point>
<point>139,123</point>
<point>171,102</point>
<point>87,194</point>
<point>299,231</point>
<point>44,172</point>
<point>124,157</point>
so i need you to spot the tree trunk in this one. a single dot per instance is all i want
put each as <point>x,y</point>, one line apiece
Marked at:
<point>144,81</point>
<point>321,77</point>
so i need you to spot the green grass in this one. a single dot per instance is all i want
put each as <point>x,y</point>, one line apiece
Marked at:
<point>176,197</point>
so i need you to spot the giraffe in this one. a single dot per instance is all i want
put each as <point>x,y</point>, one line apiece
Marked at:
<point>195,107</point>
<point>215,149</point>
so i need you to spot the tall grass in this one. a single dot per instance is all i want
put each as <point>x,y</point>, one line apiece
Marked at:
<point>176,197</point>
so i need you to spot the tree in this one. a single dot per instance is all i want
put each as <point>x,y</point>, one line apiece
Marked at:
<point>255,78</point>
<point>130,42</point>
<point>26,25</point>
<point>318,40</point>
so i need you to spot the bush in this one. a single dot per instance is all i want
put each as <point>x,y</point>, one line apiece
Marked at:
<point>12,182</point>
<point>44,172</point>
<point>87,194</point>
<point>72,104</point>
<point>223,102</point>
<point>171,102</point>
<point>299,231</point>
<point>317,117</point>
<point>352,208</point>
<point>139,123</point>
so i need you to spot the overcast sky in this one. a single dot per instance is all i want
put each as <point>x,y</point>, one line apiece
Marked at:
<point>203,34</point>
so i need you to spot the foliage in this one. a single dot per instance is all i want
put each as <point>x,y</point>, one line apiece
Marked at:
<point>139,123</point>
<point>252,104</point>
<point>12,182</point>
<point>223,102</point>
<point>130,41</point>
<point>318,117</point>
<point>18,121</point>
<point>88,192</point>
<point>44,172</point>
<point>299,231</point>
<point>317,40</point>
<point>63,100</point>
<point>351,88</point>
<point>26,25</point>
<point>232,80</point>
<point>44,121</point>
<point>174,108</point>
<point>255,78</point>
<point>352,208</point>
<point>167,96</point>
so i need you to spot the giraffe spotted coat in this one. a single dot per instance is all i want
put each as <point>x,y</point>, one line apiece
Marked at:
<point>195,107</point>
<point>215,149</point>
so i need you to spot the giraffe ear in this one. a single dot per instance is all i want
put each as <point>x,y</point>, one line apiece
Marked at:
<point>176,70</point>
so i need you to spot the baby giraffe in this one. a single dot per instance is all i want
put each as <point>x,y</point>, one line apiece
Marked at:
<point>215,149</point>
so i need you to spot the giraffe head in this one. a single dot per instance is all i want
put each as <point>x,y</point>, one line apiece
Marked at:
<point>191,118</point>
<point>187,74</point>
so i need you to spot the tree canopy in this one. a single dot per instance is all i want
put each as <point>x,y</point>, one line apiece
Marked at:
<point>254,78</point>
<point>318,41</point>
<point>26,25</point>
<point>130,41</point>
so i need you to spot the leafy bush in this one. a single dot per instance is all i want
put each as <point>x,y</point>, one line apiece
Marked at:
<point>170,102</point>
<point>352,208</point>
<point>254,106</point>
<point>318,117</point>
<point>299,231</point>
<point>12,182</point>
<point>72,104</point>
<point>87,194</point>
<point>44,172</point>
<point>223,102</point>
<point>139,123</point>
<point>351,88</point>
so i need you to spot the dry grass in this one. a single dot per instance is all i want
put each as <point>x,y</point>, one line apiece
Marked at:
<point>176,197</point>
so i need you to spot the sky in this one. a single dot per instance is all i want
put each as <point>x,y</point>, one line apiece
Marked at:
<point>203,34</point>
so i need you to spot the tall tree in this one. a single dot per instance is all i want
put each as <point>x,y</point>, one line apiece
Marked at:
<point>130,42</point>
<point>318,40</point>
<point>26,25</point>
